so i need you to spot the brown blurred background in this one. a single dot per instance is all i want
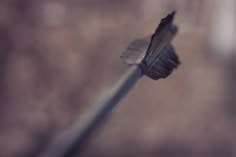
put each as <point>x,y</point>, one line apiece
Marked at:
<point>57,57</point>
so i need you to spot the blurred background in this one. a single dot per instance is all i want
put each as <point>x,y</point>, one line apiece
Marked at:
<point>57,57</point>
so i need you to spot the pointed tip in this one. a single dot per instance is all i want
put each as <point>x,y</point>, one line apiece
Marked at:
<point>169,17</point>
<point>173,12</point>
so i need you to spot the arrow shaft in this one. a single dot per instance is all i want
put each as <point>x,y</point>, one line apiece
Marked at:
<point>72,140</point>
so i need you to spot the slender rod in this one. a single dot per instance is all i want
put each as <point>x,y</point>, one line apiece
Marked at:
<point>71,141</point>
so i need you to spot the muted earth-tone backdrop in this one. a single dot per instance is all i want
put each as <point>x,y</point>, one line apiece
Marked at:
<point>58,56</point>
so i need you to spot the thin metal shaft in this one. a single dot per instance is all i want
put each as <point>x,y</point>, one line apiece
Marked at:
<point>72,140</point>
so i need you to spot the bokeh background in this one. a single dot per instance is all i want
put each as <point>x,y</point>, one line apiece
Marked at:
<point>57,57</point>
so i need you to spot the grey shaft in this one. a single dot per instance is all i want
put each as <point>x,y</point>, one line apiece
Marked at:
<point>72,140</point>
